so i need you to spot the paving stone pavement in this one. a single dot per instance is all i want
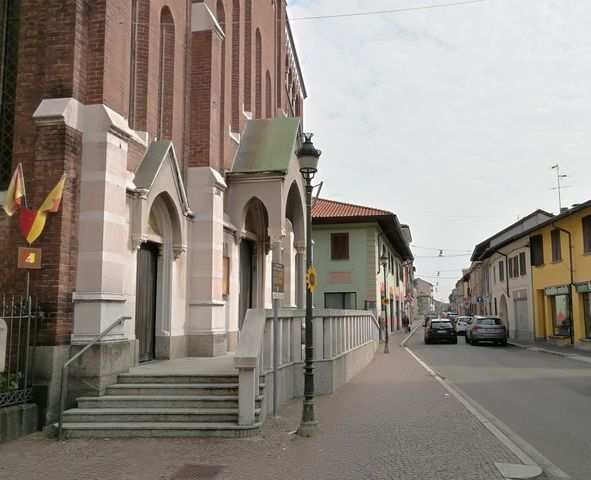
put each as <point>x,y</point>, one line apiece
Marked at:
<point>392,421</point>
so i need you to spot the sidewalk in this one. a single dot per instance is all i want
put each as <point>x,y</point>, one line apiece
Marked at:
<point>544,347</point>
<point>392,421</point>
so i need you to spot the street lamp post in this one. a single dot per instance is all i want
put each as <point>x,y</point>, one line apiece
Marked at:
<point>384,262</point>
<point>308,156</point>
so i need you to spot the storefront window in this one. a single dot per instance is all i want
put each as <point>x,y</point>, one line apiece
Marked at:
<point>587,312</point>
<point>561,315</point>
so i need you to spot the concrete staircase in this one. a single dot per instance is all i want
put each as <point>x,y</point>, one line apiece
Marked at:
<point>163,405</point>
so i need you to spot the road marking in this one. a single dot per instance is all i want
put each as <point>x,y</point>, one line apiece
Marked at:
<point>517,445</point>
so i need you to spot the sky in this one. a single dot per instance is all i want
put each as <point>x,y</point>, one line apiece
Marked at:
<point>449,117</point>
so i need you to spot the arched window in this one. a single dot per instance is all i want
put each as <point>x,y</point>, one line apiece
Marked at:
<point>138,69</point>
<point>236,66</point>
<point>9,29</point>
<point>166,80</point>
<point>248,56</point>
<point>221,14</point>
<point>258,108</point>
<point>268,96</point>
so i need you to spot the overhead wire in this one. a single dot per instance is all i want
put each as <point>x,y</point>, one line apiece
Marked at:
<point>389,11</point>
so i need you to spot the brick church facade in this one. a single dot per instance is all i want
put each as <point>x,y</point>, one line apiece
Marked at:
<point>176,122</point>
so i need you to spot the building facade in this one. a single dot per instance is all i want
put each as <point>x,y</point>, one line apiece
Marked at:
<point>424,296</point>
<point>561,266</point>
<point>176,123</point>
<point>349,241</point>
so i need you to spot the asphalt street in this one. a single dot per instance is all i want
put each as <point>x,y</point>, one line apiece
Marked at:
<point>543,398</point>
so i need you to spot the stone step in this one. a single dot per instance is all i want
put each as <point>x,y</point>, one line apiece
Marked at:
<point>160,401</point>
<point>180,378</point>
<point>153,415</point>
<point>157,429</point>
<point>209,389</point>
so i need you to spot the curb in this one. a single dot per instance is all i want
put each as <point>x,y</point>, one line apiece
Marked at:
<point>570,356</point>
<point>409,336</point>
<point>529,469</point>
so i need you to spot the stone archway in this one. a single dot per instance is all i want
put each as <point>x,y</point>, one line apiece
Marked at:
<point>294,248</point>
<point>254,247</point>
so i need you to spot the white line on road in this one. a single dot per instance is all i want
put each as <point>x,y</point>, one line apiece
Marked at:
<point>502,432</point>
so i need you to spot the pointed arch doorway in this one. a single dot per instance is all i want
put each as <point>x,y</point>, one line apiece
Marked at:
<point>146,295</point>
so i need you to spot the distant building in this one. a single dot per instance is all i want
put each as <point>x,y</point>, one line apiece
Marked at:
<point>348,243</point>
<point>424,296</point>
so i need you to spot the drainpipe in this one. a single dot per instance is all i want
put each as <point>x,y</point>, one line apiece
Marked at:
<point>572,281</point>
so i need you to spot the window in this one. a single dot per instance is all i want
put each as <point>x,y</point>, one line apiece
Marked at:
<point>501,271</point>
<point>561,315</point>
<point>537,250</point>
<point>495,273</point>
<point>516,266</point>
<point>489,321</point>
<point>510,267</point>
<point>248,56</point>
<point>556,247</point>
<point>235,120</point>
<point>522,267</point>
<point>341,301</point>
<point>258,82</point>
<point>166,80</point>
<point>339,246</point>
<point>9,29</point>
<point>587,234</point>
<point>587,313</point>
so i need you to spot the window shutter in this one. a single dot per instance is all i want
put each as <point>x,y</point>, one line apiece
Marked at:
<point>556,247</point>
<point>537,250</point>
<point>587,234</point>
<point>522,268</point>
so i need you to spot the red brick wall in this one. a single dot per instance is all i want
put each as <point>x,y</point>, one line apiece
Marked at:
<point>244,85</point>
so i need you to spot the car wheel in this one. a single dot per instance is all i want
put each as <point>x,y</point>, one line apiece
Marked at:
<point>467,339</point>
<point>473,342</point>
<point>454,341</point>
<point>427,341</point>
<point>504,343</point>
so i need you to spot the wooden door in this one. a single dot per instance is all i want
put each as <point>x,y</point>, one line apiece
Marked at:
<point>145,304</point>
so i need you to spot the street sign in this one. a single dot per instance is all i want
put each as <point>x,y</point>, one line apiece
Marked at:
<point>29,258</point>
<point>278,278</point>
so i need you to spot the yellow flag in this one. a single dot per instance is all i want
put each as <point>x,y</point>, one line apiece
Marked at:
<point>15,192</point>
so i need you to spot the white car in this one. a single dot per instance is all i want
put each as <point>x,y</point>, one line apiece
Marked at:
<point>462,324</point>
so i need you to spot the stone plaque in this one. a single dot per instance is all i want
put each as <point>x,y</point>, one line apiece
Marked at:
<point>340,277</point>
<point>278,278</point>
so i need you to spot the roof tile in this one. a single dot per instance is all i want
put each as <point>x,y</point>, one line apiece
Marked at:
<point>324,208</point>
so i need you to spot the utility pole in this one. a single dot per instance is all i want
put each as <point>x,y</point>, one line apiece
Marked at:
<point>558,186</point>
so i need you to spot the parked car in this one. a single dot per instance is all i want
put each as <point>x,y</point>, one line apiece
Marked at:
<point>462,324</point>
<point>486,329</point>
<point>440,329</point>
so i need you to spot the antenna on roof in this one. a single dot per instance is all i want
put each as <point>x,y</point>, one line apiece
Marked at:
<point>559,187</point>
<point>318,194</point>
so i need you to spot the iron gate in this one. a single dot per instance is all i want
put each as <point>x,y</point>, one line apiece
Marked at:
<point>18,334</point>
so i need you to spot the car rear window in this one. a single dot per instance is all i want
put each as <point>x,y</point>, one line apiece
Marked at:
<point>441,324</point>
<point>489,321</point>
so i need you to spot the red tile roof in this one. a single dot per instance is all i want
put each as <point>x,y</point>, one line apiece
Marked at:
<point>331,209</point>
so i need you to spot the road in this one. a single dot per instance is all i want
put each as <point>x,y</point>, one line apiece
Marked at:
<point>545,399</point>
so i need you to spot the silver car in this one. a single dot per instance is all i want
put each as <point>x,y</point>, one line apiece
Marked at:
<point>486,329</point>
<point>462,323</point>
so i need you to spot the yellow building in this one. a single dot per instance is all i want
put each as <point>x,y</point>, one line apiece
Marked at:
<point>561,276</point>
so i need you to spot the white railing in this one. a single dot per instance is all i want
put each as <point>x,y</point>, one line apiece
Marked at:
<point>336,333</point>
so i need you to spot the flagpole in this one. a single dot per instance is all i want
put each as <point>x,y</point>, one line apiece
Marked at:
<point>28,281</point>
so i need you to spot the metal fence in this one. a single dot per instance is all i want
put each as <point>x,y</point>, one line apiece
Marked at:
<point>18,334</point>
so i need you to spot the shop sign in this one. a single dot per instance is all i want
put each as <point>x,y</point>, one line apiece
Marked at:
<point>29,258</point>
<point>584,287</point>
<point>553,291</point>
